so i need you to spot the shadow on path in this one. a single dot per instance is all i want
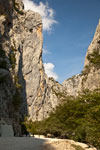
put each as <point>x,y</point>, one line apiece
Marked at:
<point>23,143</point>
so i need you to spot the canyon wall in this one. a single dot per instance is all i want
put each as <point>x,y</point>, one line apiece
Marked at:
<point>25,89</point>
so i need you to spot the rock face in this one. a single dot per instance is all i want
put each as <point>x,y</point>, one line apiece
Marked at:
<point>58,144</point>
<point>90,76</point>
<point>25,89</point>
<point>92,63</point>
<point>27,86</point>
<point>9,101</point>
<point>72,85</point>
<point>39,98</point>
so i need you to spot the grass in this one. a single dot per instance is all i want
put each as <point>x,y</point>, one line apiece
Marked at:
<point>77,147</point>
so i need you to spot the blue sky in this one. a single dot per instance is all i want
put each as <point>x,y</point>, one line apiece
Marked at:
<point>67,38</point>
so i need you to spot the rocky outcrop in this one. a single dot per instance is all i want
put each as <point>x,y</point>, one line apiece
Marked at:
<point>58,144</point>
<point>91,70</point>
<point>90,76</point>
<point>72,85</point>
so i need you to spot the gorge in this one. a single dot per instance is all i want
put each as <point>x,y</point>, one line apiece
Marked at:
<point>25,89</point>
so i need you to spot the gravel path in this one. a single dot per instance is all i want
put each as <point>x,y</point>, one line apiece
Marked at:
<point>21,143</point>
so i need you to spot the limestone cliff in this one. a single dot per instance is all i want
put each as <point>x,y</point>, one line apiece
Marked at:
<point>90,76</point>
<point>10,94</point>
<point>25,89</point>
<point>73,85</point>
<point>91,70</point>
<point>38,95</point>
<point>21,41</point>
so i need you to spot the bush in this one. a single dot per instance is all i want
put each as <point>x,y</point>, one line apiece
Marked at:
<point>77,119</point>
<point>77,147</point>
<point>94,58</point>
<point>12,60</point>
<point>86,70</point>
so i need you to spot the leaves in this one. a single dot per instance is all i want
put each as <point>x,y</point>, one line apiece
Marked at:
<point>77,119</point>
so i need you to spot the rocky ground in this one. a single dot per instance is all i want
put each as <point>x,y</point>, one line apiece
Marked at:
<point>65,145</point>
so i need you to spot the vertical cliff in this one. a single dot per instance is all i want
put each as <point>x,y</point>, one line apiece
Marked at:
<point>10,93</point>
<point>39,98</point>
<point>25,89</point>
<point>91,72</point>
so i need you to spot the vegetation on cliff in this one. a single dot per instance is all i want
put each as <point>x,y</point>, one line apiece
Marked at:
<point>94,58</point>
<point>77,119</point>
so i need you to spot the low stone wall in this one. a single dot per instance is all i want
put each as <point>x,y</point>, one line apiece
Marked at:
<point>6,129</point>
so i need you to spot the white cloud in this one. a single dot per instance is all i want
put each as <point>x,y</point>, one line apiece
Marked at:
<point>46,52</point>
<point>46,12</point>
<point>49,69</point>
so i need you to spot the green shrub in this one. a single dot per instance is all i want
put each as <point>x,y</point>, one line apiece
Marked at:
<point>94,58</point>
<point>86,70</point>
<point>12,60</point>
<point>13,49</point>
<point>17,84</point>
<point>77,147</point>
<point>77,119</point>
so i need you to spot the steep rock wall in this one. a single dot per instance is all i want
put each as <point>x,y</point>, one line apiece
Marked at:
<point>9,92</point>
<point>24,51</point>
<point>91,70</point>
<point>73,85</point>
<point>25,88</point>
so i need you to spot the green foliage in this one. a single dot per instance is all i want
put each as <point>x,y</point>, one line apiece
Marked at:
<point>17,84</point>
<point>94,58</point>
<point>77,119</point>
<point>13,49</point>
<point>86,70</point>
<point>77,147</point>
<point>85,73</point>
<point>33,128</point>
<point>12,60</point>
